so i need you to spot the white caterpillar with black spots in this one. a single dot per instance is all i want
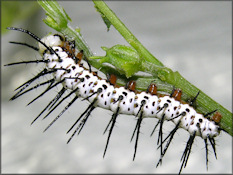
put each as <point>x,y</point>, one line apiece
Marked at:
<point>62,61</point>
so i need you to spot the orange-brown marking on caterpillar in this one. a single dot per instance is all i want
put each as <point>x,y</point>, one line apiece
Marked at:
<point>217,117</point>
<point>152,89</point>
<point>176,94</point>
<point>69,48</point>
<point>79,57</point>
<point>112,79</point>
<point>95,73</point>
<point>131,85</point>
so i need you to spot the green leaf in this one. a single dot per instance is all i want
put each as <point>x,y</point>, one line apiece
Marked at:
<point>57,18</point>
<point>105,19</point>
<point>124,58</point>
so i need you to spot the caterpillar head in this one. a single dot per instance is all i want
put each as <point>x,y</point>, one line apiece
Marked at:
<point>50,41</point>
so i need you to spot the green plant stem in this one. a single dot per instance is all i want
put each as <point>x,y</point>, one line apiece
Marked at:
<point>124,31</point>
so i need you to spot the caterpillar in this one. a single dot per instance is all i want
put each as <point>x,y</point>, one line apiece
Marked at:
<point>63,62</point>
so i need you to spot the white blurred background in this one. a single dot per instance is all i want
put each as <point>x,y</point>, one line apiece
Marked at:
<point>194,38</point>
